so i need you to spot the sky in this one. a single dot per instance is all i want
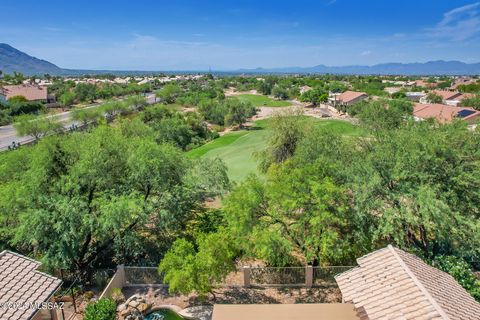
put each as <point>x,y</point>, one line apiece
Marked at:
<point>233,34</point>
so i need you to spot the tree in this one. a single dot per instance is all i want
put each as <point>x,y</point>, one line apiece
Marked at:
<point>85,92</point>
<point>434,98</point>
<point>86,115</point>
<point>187,270</point>
<point>113,108</point>
<point>314,96</point>
<point>297,212</point>
<point>17,99</point>
<point>287,129</point>
<point>103,309</point>
<point>136,102</point>
<point>280,92</point>
<point>238,111</point>
<point>213,111</point>
<point>169,93</point>
<point>416,204</point>
<point>99,198</point>
<point>471,102</point>
<point>37,127</point>
<point>399,95</point>
<point>67,98</point>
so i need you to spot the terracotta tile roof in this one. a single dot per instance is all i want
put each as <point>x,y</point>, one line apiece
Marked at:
<point>466,96</point>
<point>392,284</point>
<point>20,282</point>
<point>30,92</point>
<point>441,112</point>
<point>447,95</point>
<point>349,96</point>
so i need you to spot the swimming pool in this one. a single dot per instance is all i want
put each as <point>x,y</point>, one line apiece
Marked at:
<point>164,314</point>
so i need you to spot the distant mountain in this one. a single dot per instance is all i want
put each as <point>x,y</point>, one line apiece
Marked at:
<point>12,60</point>
<point>428,68</point>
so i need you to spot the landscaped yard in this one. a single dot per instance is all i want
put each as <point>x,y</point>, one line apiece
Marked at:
<point>263,101</point>
<point>237,149</point>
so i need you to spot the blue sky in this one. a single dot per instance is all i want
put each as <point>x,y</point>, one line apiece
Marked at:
<point>188,34</point>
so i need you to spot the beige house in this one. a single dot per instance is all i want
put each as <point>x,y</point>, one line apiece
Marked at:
<point>392,284</point>
<point>348,98</point>
<point>444,113</point>
<point>24,291</point>
<point>29,91</point>
<point>388,284</point>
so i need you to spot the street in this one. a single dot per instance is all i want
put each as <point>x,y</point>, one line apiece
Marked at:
<point>8,134</point>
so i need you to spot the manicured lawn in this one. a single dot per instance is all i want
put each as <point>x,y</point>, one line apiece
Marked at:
<point>237,149</point>
<point>263,101</point>
<point>220,142</point>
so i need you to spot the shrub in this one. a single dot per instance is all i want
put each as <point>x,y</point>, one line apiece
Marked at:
<point>103,309</point>
<point>117,295</point>
<point>460,270</point>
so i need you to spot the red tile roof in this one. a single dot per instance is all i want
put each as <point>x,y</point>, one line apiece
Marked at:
<point>392,284</point>
<point>349,96</point>
<point>30,92</point>
<point>20,282</point>
<point>441,112</point>
<point>447,95</point>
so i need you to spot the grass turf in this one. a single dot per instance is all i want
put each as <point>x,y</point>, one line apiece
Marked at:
<point>262,101</point>
<point>237,149</point>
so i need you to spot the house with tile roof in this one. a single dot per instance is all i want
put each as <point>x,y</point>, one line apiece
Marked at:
<point>392,284</point>
<point>347,98</point>
<point>24,290</point>
<point>29,91</point>
<point>444,113</point>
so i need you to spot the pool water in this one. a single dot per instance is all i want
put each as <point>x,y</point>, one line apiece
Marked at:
<point>164,314</point>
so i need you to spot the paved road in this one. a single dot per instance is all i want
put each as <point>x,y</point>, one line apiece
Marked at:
<point>8,134</point>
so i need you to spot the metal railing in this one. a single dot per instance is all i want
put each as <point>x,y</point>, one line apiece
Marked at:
<point>323,275</point>
<point>142,276</point>
<point>277,276</point>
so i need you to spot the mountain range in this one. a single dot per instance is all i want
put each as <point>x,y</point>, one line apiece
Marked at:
<point>12,60</point>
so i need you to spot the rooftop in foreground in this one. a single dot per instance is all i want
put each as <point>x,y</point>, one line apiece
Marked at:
<point>322,311</point>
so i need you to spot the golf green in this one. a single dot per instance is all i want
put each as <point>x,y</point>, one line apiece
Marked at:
<point>237,149</point>
<point>263,101</point>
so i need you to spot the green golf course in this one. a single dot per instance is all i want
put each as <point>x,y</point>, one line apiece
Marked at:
<point>237,149</point>
<point>262,101</point>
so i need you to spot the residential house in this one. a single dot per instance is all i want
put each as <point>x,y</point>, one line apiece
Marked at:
<point>445,113</point>
<point>29,91</point>
<point>458,100</point>
<point>392,284</point>
<point>415,96</point>
<point>387,284</point>
<point>425,84</point>
<point>392,90</point>
<point>447,96</point>
<point>304,89</point>
<point>462,81</point>
<point>347,98</point>
<point>23,289</point>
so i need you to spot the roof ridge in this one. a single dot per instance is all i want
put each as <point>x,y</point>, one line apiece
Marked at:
<point>21,256</point>
<point>418,283</point>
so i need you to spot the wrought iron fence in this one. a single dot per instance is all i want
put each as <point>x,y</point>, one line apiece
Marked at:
<point>142,275</point>
<point>277,276</point>
<point>323,275</point>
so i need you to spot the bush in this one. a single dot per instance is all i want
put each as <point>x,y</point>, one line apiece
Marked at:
<point>117,295</point>
<point>461,271</point>
<point>103,309</point>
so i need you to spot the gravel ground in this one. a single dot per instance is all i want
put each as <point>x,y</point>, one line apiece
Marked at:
<point>239,295</point>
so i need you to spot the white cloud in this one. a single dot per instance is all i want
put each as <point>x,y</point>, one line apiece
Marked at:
<point>458,24</point>
<point>366,53</point>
